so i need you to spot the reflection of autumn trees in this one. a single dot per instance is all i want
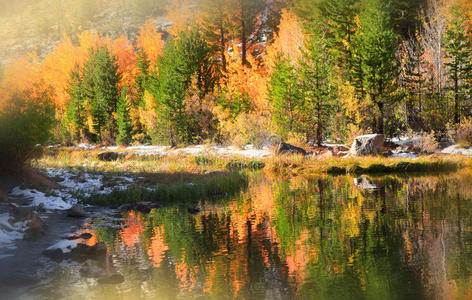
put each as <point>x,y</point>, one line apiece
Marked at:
<point>320,236</point>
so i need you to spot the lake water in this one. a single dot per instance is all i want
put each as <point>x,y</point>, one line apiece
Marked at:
<point>310,238</point>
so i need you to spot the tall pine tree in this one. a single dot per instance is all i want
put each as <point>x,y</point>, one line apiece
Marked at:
<point>458,52</point>
<point>285,96</point>
<point>185,61</point>
<point>125,128</point>
<point>318,87</point>
<point>377,69</point>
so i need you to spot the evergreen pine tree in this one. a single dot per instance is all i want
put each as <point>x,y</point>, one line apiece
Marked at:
<point>185,61</point>
<point>74,108</point>
<point>458,52</point>
<point>376,69</point>
<point>340,22</point>
<point>284,95</point>
<point>101,90</point>
<point>125,128</point>
<point>318,87</point>
<point>141,79</point>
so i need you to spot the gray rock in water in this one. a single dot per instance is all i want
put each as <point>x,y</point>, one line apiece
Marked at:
<point>76,211</point>
<point>91,272</point>
<point>108,156</point>
<point>80,252</point>
<point>285,148</point>
<point>367,183</point>
<point>370,144</point>
<point>21,213</point>
<point>36,228</point>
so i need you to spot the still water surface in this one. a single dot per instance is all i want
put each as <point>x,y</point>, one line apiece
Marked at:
<point>320,238</point>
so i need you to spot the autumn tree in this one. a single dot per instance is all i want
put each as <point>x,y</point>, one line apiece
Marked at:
<point>246,20</point>
<point>375,51</point>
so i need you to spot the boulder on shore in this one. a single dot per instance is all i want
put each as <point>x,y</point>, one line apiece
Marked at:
<point>76,211</point>
<point>370,144</point>
<point>285,148</point>
<point>108,156</point>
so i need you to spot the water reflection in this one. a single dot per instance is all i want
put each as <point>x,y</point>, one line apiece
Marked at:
<point>322,238</point>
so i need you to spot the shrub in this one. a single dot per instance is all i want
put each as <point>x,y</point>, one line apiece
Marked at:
<point>26,120</point>
<point>248,128</point>
<point>463,134</point>
<point>425,142</point>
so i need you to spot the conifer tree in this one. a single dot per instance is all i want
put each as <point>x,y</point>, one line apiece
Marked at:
<point>142,77</point>
<point>318,87</point>
<point>125,127</point>
<point>101,79</point>
<point>284,95</point>
<point>185,61</point>
<point>75,107</point>
<point>458,52</point>
<point>376,69</point>
<point>340,16</point>
<point>217,26</point>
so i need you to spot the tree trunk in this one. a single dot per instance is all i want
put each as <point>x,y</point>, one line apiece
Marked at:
<point>380,127</point>
<point>456,100</point>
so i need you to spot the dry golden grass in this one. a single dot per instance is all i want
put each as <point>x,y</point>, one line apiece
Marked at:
<point>184,167</point>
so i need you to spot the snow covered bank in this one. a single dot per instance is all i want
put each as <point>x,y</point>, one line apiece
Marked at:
<point>248,151</point>
<point>73,185</point>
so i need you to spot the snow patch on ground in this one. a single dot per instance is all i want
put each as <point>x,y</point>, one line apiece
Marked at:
<point>72,184</point>
<point>402,154</point>
<point>65,246</point>
<point>10,232</point>
<point>247,151</point>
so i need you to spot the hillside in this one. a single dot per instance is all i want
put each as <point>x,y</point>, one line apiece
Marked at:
<point>39,25</point>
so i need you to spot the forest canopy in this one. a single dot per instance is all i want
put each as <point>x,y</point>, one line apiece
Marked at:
<point>249,71</point>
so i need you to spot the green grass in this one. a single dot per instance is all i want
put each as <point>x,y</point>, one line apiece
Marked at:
<point>225,183</point>
<point>287,166</point>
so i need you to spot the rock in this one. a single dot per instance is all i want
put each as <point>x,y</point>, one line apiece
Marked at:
<point>193,210</point>
<point>146,206</point>
<point>338,150</point>
<point>370,144</point>
<point>3,196</point>
<point>77,251</point>
<point>456,149</point>
<point>85,236</point>
<point>76,211</point>
<point>91,272</point>
<point>143,206</point>
<point>326,154</point>
<point>125,207</point>
<point>21,213</point>
<point>36,228</point>
<point>108,156</point>
<point>367,183</point>
<point>284,148</point>
<point>111,279</point>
